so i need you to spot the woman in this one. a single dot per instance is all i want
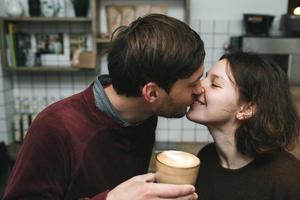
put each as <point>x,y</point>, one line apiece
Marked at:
<point>247,107</point>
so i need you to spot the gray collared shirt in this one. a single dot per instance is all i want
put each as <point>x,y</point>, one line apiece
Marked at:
<point>103,103</point>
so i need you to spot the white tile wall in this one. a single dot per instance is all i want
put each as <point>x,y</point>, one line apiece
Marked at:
<point>6,111</point>
<point>221,27</point>
<point>6,106</point>
<point>54,86</point>
<point>235,27</point>
<point>7,135</point>
<point>7,138</point>
<point>181,130</point>
<point>2,111</point>
<point>5,127</point>
<point>50,84</point>
<point>207,26</point>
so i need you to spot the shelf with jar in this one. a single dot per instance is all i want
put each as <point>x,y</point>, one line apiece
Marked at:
<point>41,44</point>
<point>107,15</point>
<point>47,35</point>
<point>98,22</point>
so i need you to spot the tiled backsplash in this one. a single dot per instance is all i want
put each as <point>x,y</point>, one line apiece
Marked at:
<point>54,86</point>
<point>6,106</point>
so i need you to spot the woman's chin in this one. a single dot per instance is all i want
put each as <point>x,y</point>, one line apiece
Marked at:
<point>198,117</point>
<point>193,117</point>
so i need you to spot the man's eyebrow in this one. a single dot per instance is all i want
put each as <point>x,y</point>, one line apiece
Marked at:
<point>197,79</point>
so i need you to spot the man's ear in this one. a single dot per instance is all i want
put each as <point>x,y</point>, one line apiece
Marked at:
<point>150,92</point>
<point>246,111</point>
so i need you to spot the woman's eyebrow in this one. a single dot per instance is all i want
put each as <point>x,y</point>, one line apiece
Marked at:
<point>217,77</point>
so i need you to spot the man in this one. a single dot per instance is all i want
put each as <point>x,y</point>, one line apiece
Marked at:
<point>90,145</point>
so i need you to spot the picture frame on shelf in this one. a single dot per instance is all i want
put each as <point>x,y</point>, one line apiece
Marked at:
<point>49,43</point>
<point>58,55</point>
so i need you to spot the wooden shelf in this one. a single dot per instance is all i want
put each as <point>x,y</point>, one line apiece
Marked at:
<point>103,40</point>
<point>19,21</point>
<point>47,19</point>
<point>46,69</point>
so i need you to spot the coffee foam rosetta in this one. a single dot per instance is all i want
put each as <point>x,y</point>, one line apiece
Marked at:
<point>178,159</point>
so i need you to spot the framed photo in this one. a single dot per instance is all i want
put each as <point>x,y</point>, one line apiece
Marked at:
<point>50,43</point>
<point>52,49</point>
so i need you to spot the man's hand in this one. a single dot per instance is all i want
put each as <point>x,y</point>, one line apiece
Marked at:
<point>143,188</point>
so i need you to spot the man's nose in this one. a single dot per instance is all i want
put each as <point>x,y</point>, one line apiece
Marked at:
<point>199,89</point>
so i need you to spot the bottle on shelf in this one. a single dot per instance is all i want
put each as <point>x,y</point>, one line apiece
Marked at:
<point>25,116</point>
<point>17,127</point>
<point>34,109</point>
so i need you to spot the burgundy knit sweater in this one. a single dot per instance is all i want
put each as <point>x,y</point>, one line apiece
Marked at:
<point>73,150</point>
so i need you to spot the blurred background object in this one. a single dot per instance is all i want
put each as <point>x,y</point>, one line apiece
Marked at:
<point>258,24</point>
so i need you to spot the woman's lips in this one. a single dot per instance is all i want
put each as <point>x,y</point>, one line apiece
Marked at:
<point>200,100</point>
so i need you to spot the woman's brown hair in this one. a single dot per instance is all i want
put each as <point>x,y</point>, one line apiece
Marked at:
<point>275,124</point>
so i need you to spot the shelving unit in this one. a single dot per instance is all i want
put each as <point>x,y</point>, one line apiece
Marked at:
<point>93,22</point>
<point>44,22</point>
<point>47,19</point>
<point>44,69</point>
<point>98,6</point>
<point>102,40</point>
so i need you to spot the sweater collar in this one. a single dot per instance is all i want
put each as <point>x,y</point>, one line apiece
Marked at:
<point>102,102</point>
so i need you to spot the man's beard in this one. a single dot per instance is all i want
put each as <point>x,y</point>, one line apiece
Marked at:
<point>174,114</point>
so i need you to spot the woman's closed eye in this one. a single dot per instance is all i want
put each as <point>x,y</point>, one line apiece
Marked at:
<point>215,85</point>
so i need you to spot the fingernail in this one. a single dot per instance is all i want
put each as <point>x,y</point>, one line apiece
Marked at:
<point>193,189</point>
<point>196,196</point>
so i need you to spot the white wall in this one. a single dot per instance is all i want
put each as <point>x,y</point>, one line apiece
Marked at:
<point>2,11</point>
<point>233,9</point>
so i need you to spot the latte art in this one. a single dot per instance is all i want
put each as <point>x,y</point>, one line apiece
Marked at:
<point>176,167</point>
<point>178,159</point>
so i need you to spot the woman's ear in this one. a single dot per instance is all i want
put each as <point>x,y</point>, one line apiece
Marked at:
<point>150,92</point>
<point>246,111</point>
